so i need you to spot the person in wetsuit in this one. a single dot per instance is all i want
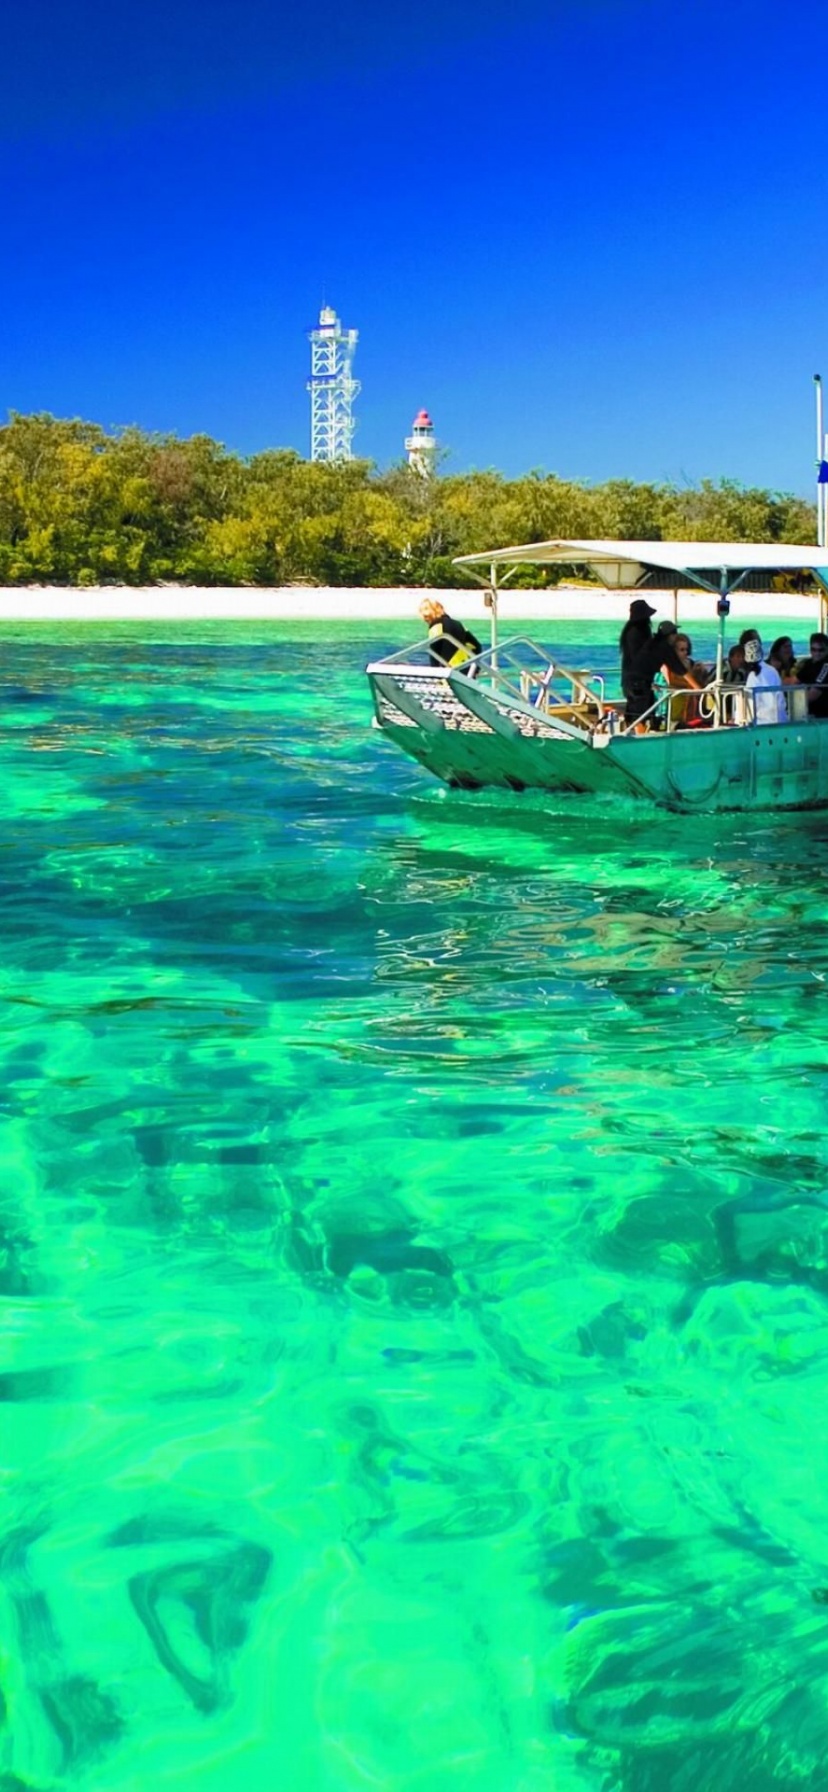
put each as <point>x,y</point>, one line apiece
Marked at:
<point>450,643</point>
<point>659,650</point>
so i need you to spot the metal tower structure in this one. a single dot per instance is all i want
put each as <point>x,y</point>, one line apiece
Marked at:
<point>332,388</point>
<point>421,445</point>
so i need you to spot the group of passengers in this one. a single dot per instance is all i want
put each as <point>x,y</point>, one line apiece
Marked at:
<point>667,653</point>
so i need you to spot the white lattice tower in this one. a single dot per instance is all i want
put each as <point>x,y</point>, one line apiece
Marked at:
<point>421,445</point>
<point>332,388</point>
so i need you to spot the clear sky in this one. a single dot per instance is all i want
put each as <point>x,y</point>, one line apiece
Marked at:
<point>588,235</point>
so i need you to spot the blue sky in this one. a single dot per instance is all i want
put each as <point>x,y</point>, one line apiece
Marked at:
<point>588,235</point>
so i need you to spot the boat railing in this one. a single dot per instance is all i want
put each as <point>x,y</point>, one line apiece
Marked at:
<point>517,669</point>
<point>719,705</point>
<point>417,656</point>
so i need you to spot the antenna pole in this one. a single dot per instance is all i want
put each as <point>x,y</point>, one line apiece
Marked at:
<point>332,388</point>
<point>824,490</point>
<point>821,489</point>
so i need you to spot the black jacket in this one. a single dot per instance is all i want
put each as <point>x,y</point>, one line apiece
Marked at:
<point>815,672</point>
<point>444,638</point>
<point>655,653</point>
<point>634,636</point>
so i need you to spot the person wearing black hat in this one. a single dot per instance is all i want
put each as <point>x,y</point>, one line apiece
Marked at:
<point>657,652</point>
<point>635,634</point>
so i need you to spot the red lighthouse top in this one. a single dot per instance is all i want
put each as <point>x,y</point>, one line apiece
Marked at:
<point>422,421</point>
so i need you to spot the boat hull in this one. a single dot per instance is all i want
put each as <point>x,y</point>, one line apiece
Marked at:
<point>781,766</point>
<point>472,737</point>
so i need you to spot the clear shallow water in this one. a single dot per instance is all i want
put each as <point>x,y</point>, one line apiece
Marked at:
<point>414,1261</point>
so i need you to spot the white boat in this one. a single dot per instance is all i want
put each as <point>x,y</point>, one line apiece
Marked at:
<point>514,717</point>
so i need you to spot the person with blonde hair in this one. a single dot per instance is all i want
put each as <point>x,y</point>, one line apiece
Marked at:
<point>450,643</point>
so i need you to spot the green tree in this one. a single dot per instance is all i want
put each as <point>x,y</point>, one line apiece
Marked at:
<point>80,505</point>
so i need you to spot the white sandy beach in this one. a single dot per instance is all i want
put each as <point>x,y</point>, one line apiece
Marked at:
<point>189,603</point>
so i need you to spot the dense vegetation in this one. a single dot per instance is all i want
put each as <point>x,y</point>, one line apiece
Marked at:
<point>81,506</point>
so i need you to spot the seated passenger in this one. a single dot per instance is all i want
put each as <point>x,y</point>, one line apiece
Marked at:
<point>734,670</point>
<point>764,685</point>
<point>696,668</point>
<point>782,656</point>
<point>683,710</point>
<point>814,672</point>
<point>450,643</point>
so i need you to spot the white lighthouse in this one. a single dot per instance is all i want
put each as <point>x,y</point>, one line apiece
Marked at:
<point>421,445</point>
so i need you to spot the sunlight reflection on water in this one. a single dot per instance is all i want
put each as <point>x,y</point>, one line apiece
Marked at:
<point>413,1253</point>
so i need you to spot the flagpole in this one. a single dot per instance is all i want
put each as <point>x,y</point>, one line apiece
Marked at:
<point>820,435</point>
<point>824,489</point>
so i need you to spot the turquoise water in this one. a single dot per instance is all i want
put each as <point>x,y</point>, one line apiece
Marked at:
<point>413,1253</point>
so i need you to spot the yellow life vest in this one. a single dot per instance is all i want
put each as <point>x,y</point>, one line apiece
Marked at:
<point>460,656</point>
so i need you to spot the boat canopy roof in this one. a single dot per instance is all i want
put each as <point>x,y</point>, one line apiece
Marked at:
<point>627,565</point>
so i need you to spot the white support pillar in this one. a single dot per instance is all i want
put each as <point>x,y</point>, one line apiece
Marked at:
<point>493,608</point>
<point>722,612</point>
<point>823,605</point>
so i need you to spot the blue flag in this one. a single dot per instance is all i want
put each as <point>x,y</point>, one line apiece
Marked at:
<point>822,476</point>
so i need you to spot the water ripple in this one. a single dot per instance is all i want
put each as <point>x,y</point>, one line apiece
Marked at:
<point>413,1253</point>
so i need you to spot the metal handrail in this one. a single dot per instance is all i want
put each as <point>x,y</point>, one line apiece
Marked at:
<point>732,697</point>
<point>494,664</point>
<point>534,687</point>
<point>727,705</point>
<point>403,655</point>
<point>681,693</point>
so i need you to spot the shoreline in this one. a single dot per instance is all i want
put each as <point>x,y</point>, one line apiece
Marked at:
<point>171,603</point>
